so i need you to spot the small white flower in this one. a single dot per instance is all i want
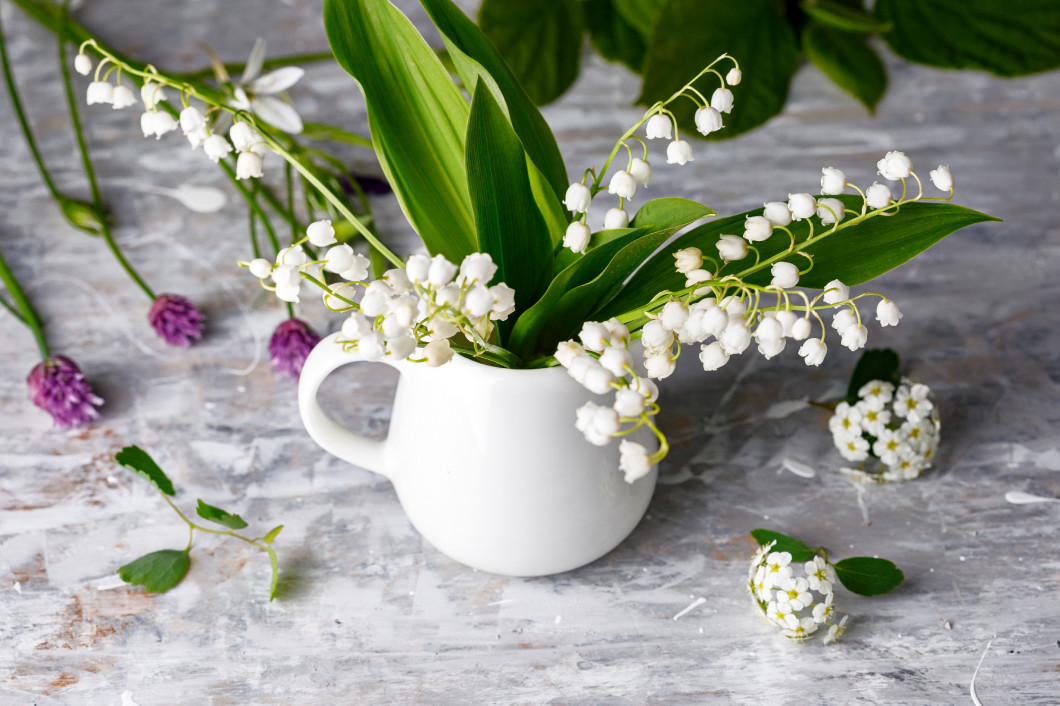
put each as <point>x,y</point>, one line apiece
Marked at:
<point>833,181</point>
<point>795,592</point>
<point>656,336</point>
<point>659,366</point>
<point>803,630</point>
<point>356,326</point>
<point>616,361</point>
<point>736,337</point>
<point>757,228</point>
<point>321,234</point>
<point>822,611</point>
<point>801,206</point>
<point>260,268</point>
<point>478,301</point>
<point>854,448</point>
<point>777,213</point>
<point>836,630</point>
<point>777,568</point>
<point>397,278</point>
<point>844,319</point>
<point>734,77</point>
<point>673,315</point>
<point>830,211</point>
<point>942,177</point>
<point>338,258</point>
<point>157,123</point>
<point>628,403</point>
<point>594,335</point>
<point>633,460</point>
<point>769,330</point>
<point>878,196</point>
<point>855,337</point>
<point>622,185</point>
<point>216,147</point>
<point>577,198</point>
<point>785,275</point>
<point>338,299</point>
<point>258,92</point>
<point>504,296</point>
<point>438,352</point>
<point>416,267</point>
<point>679,152</point>
<point>659,126</point>
<point>721,100</point>
<point>731,248</point>
<point>787,320</point>
<point>123,97</point>
<point>688,260</point>
<point>285,275</point>
<point>888,446</point>
<point>617,332</point>
<point>836,292</point>
<point>476,267</point>
<point>151,94</point>
<point>880,391</point>
<point>567,351</point>
<point>372,346</point>
<point>781,615</point>
<point>887,313</point>
<point>83,64</point>
<point>846,420</point>
<point>801,329</point>
<point>248,166</point>
<point>441,271</point>
<point>289,292</point>
<point>640,170</point>
<point>192,120</point>
<point>713,356</point>
<point>616,218</point>
<point>894,166</point>
<point>873,421</point>
<point>715,321</point>
<point>772,348</point>
<point>813,350</point>
<point>243,136</point>
<point>708,120</point>
<point>648,388</point>
<point>597,423</point>
<point>820,576</point>
<point>577,237</point>
<point>911,402</point>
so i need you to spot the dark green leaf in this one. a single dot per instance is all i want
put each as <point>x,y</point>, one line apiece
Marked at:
<point>639,14</point>
<point>158,571</point>
<point>844,16</point>
<point>613,37</point>
<point>271,536</point>
<point>82,216</point>
<point>874,364</point>
<point>507,220</point>
<point>539,39</point>
<point>136,459</point>
<point>221,517</point>
<point>689,34</point>
<point>1011,38</point>
<point>417,117</point>
<point>867,576</point>
<point>847,59</point>
<point>799,551</point>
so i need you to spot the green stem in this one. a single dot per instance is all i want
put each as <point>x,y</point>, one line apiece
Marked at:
<point>275,63</point>
<point>29,315</point>
<point>11,309</point>
<point>90,173</point>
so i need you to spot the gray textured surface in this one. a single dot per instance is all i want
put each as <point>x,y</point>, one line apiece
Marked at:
<point>370,613</point>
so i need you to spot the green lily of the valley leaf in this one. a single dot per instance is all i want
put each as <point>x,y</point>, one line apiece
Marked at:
<point>221,517</point>
<point>613,37</point>
<point>158,571</point>
<point>868,576</point>
<point>844,15</point>
<point>138,461</point>
<point>508,223</point>
<point>874,364</point>
<point>417,117</point>
<point>847,59</point>
<point>639,14</point>
<point>799,551</point>
<point>539,39</point>
<point>1012,38</point>
<point>753,31</point>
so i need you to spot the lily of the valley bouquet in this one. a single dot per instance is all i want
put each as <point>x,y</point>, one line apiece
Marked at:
<point>514,275</point>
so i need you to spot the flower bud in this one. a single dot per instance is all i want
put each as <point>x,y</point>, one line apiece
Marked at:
<point>478,301</point>
<point>321,234</point>
<point>567,351</point>
<point>151,94</point>
<point>735,338</point>
<point>260,267</point>
<point>836,292</point>
<point>844,319</point>
<point>801,206</point>
<point>785,275</point>
<point>679,152</point>
<point>656,336</point>
<point>734,77</point>
<point>503,301</point>
<point>577,198</point>
<point>83,64</point>
<point>777,213</point>
<point>616,361</point>
<point>830,211</point>
<point>598,379</point>
<point>769,329</point>
<point>878,196</point>
<point>416,268</point>
<point>833,181</point>
<point>616,218</point>
<point>401,347</point>
<point>641,171</point>
<point>673,315</point>
<point>622,185</point>
<point>894,166</point>
<point>659,126</point>
<point>688,259</point>
<point>593,335</point>
<point>628,403</point>
<point>801,329</point>
<point>708,120</point>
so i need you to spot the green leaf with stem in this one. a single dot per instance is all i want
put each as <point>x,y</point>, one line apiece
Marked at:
<point>874,364</point>
<point>139,462</point>
<point>272,534</point>
<point>848,59</point>
<point>846,16</point>
<point>868,576</point>
<point>158,571</point>
<point>799,551</point>
<point>221,517</point>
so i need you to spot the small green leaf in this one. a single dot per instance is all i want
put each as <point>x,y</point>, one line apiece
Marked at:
<point>82,216</point>
<point>271,536</point>
<point>136,460</point>
<point>613,37</point>
<point>275,566</point>
<point>874,364</point>
<point>844,16</point>
<point>221,517</point>
<point>799,551</point>
<point>689,34</point>
<point>1011,38</point>
<point>158,571</point>
<point>867,576</point>
<point>847,59</point>
<point>539,39</point>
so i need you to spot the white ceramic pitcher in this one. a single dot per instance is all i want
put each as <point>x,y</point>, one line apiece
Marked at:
<point>487,463</point>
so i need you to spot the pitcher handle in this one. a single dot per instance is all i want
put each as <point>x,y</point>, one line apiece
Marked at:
<point>332,437</point>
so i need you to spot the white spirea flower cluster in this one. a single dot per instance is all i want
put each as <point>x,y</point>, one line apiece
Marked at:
<point>412,312</point>
<point>659,124</point>
<point>799,600</point>
<point>601,362</point>
<point>899,427</point>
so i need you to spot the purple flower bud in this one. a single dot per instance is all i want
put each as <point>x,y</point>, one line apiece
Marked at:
<point>291,342</point>
<point>57,386</point>
<point>176,320</point>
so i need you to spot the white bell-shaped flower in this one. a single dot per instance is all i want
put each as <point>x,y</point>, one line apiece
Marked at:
<point>855,337</point>
<point>836,292</point>
<point>477,267</point>
<point>721,100</point>
<point>260,267</point>
<point>416,267</point>
<point>478,301</point>
<point>660,365</point>
<point>577,237</point>
<point>191,119</point>
<point>656,336</point>
<point>734,77</point>
<point>833,181</point>
<point>248,166</point>
<point>757,228</point>
<point>708,120</point>
<point>942,177</point>
<point>503,301</point>
<point>151,94</point>
<point>216,147</point>
<point>732,248</point>
<point>594,336</point>
<point>785,275</point>
<point>673,315</point>
<point>622,185</point>
<point>633,460</point>
<point>577,198</point>
<point>567,351</point>
<point>99,92</point>
<point>679,152</point>
<point>713,356</point>
<point>659,126</point>
<point>894,166</point>
<point>617,361</point>
<point>616,218</point>
<point>801,206</point>
<point>338,258</point>
<point>801,329</point>
<point>830,211</point>
<point>441,271</point>
<point>688,259</point>
<point>813,351</point>
<point>641,171</point>
<point>123,97</point>
<point>628,403</point>
<point>887,313</point>
<point>878,196</point>
<point>736,337</point>
<point>321,234</point>
<point>844,319</point>
<point>438,352</point>
<point>777,213</point>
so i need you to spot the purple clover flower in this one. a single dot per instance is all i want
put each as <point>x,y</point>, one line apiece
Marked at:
<point>57,386</point>
<point>291,342</point>
<point>176,320</point>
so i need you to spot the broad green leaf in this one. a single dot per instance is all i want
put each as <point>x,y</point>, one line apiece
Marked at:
<point>273,533</point>
<point>689,34</point>
<point>639,14</point>
<point>613,37</point>
<point>799,551</point>
<point>136,460</point>
<point>847,59</point>
<point>473,56</point>
<point>417,118</point>
<point>221,517</point>
<point>867,576</point>
<point>158,571</point>
<point>1011,38</point>
<point>845,16</point>
<point>539,39</point>
<point>874,364</point>
<point>507,220</point>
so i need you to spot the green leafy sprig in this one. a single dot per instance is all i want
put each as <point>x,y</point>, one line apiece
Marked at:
<point>863,575</point>
<point>160,571</point>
